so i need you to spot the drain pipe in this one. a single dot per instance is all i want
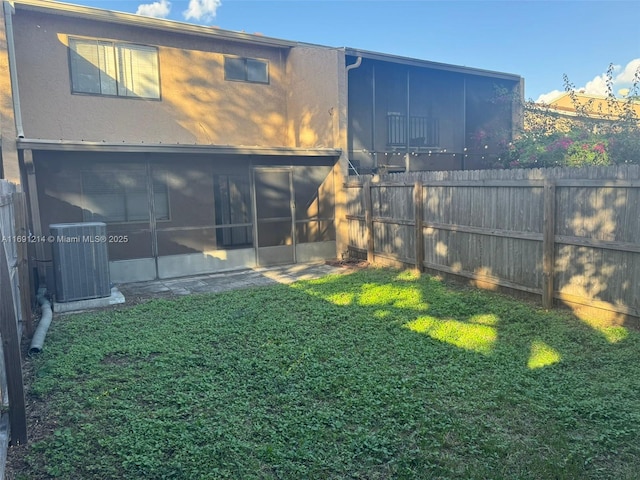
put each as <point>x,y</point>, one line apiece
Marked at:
<point>45,320</point>
<point>357,63</point>
<point>9,10</point>
<point>353,66</point>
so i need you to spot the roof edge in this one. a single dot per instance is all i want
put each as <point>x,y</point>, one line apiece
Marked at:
<point>87,146</point>
<point>386,57</point>
<point>591,96</point>
<point>123,18</point>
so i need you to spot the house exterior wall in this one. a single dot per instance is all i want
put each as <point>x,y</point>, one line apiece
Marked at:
<point>313,96</point>
<point>9,166</point>
<point>299,108</point>
<point>317,110</point>
<point>197,105</point>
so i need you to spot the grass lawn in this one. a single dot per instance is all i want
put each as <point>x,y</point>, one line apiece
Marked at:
<point>374,375</point>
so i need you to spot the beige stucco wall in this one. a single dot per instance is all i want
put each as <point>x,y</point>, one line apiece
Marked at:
<point>317,111</point>
<point>197,106</point>
<point>313,96</point>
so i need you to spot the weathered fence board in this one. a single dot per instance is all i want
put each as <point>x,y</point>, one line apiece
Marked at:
<point>14,305</point>
<point>22,262</point>
<point>12,357</point>
<point>10,202</point>
<point>567,234</point>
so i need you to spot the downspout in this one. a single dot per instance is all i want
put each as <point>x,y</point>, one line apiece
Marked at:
<point>353,66</point>
<point>9,10</point>
<point>45,321</point>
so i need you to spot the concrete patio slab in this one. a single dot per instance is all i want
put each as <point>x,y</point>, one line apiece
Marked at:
<point>115,298</point>
<point>225,281</point>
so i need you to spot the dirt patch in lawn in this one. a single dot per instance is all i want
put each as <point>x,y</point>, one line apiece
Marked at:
<point>41,421</point>
<point>349,264</point>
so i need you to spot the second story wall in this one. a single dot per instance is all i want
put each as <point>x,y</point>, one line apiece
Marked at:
<point>313,103</point>
<point>196,104</point>
<point>9,166</point>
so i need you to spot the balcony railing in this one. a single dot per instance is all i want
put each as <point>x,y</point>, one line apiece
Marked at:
<point>422,131</point>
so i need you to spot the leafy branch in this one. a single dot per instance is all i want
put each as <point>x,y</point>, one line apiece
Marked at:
<point>592,131</point>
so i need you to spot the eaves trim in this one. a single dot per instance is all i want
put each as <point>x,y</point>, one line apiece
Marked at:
<point>85,146</point>
<point>385,57</point>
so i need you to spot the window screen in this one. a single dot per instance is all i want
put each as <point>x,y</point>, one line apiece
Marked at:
<point>257,71</point>
<point>234,68</point>
<point>246,69</point>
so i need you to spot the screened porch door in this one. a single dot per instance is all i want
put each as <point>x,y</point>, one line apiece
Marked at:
<point>274,216</point>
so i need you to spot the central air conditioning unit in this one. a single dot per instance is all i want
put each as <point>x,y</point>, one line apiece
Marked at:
<point>80,261</point>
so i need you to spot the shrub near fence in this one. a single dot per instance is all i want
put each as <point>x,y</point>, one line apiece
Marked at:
<point>566,234</point>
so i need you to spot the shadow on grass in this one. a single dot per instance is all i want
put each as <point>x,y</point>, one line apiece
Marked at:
<point>562,380</point>
<point>481,322</point>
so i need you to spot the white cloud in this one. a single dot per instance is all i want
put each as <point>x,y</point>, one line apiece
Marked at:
<point>201,9</point>
<point>628,73</point>
<point>158,9</point>
<point>548,97</point>
<point>597,86</point>
<point>621,78</point>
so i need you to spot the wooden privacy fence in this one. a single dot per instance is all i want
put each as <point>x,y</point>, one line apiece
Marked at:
<point>568,234</point>
<point>15,236</point>
<point>15,305</point>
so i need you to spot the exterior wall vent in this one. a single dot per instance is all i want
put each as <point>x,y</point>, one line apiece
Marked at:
<point>80,261</point>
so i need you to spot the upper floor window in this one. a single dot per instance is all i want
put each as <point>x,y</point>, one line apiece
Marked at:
<point>109,68</point>
<point>246,69</point>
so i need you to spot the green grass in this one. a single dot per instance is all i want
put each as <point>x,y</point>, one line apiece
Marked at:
<point>379,374</point>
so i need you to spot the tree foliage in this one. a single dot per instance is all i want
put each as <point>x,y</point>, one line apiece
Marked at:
<point>594,131</point>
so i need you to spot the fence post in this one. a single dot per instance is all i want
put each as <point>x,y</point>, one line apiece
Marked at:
<point>12,360</point>
<point>548,243</point>
<point>368,219</point>
<point>418,211</point>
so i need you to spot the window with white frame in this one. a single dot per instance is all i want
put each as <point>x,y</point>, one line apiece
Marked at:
<point>243,69</point>
<point>103,67</point>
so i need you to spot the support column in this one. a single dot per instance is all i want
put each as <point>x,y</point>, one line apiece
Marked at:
<point>34,207</point>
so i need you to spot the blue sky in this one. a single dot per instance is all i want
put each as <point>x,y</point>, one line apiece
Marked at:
<point>539,40</point>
